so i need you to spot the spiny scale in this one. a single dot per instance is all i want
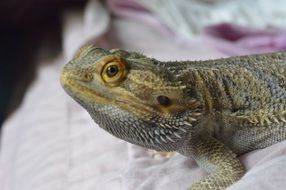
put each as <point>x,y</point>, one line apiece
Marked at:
<point>234,105</point>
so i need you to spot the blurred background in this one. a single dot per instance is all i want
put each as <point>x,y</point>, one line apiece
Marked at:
<point>25,27</point>
<point>49,142</point>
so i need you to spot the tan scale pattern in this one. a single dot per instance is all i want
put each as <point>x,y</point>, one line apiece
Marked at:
<point>217,109</point>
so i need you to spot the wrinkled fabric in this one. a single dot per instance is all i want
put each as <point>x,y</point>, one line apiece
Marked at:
<point>231,27</point>
<point>52,143</point>
<point>237,40</point>
<point>188,17</point>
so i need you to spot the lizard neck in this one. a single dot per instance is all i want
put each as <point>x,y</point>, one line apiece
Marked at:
<point>214,88</point>
<point>221,87</point>
<point>234,86</point>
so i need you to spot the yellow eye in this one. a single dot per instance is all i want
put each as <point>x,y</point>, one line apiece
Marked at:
<point>113,72</point>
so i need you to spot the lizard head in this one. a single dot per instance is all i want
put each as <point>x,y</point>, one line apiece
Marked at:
<point>133,97</point>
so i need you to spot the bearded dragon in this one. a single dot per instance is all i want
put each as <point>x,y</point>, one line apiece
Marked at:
<point>211,111</point>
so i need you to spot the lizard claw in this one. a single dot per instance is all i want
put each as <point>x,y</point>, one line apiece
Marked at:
<point>156,154</point>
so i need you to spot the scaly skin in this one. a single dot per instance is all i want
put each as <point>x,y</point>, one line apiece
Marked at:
<point>211,111</point>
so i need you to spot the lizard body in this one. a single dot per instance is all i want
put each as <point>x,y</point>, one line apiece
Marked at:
<point>210,110</point>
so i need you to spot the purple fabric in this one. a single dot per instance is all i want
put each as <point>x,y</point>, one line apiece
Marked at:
<point>237,40</point>
<point>227,38</point>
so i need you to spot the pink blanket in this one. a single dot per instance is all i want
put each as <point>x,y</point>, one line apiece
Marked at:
<point>51,143</point>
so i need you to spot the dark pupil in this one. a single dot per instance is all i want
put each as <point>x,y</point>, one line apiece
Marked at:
<point>112,70</point>
<point>164,100</point>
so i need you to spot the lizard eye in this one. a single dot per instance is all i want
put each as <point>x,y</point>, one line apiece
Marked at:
<point>113,72</point>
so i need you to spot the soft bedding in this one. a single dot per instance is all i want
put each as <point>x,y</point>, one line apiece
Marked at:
<point>52,143</point>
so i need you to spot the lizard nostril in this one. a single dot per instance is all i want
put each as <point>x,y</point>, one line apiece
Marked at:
<point>87,77</point>
<point>164,100</point>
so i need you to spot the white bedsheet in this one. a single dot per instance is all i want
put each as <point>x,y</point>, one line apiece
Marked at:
<point>51,143</point>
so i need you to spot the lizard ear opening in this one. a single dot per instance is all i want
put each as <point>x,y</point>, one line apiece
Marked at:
<point>164,100</point>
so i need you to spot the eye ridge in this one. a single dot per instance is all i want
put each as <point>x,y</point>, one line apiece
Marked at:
<point>112,70</point>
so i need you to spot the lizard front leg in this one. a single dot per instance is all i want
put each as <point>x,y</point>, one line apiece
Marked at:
<point>217,159</point>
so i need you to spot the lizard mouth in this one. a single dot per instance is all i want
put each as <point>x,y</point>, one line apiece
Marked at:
<point>80,92</point>
<point>87,95</point>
